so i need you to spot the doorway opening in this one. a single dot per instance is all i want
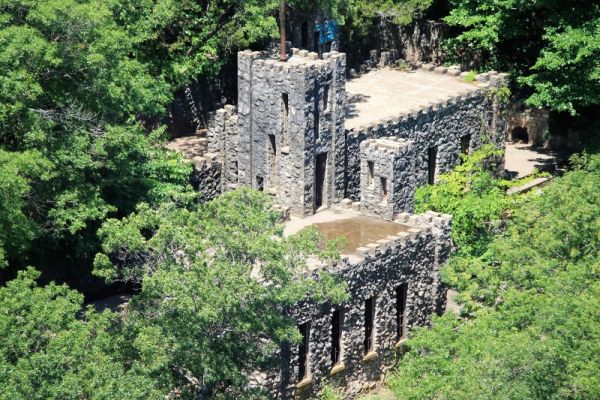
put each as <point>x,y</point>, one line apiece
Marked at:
<point>519,134</point>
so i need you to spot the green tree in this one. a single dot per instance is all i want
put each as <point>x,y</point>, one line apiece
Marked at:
<point>549,46</point>
<point>70,93</point>
<point>17,224</point>
<point>474,197</point>
<point>216,282</point>
<point>51,348</point>
<point>533,298</point>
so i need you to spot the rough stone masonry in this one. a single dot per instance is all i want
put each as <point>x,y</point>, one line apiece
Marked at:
<point>316,142</point>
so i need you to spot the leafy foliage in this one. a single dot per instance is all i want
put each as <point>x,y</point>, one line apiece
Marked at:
<point>472,195</point>
<point>534,299</point>
<point>51,349</point>
<point>17,227</point>
<point>549,46</point>
<point>70,94</point>
<point>215,283</point>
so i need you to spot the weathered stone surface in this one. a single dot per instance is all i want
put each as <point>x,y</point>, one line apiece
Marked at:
<point>309,127</point>
<point>268,146</point>
<point>410,260</point>
<point>387,177</point>
<point>206,178</point>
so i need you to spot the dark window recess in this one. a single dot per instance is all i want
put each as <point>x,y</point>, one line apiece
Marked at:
<point>336,336</point>
<point>384,189</point>
<point>303,351</point>
<point>320,173</point>
<point>369,321</point>
<point>285,101</point>
<point>401,295</point>
<point>371,176</point>
<point>431,164</point>
<point>317,115</point>
<point>260,183</point>
<point>465,144</point>
<point>325,97</point>
<point>272,160</point>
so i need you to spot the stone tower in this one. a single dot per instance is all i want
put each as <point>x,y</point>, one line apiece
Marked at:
<point>291,127</point>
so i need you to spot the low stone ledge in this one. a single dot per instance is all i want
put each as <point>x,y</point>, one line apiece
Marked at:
<point>372,355</point>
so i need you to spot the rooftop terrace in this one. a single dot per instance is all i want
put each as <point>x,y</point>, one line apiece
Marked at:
<point>358,230</point>
<point>386,93</point>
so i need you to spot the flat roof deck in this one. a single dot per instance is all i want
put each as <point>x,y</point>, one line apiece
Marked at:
<point>387,93</point>
<point>358,229</point>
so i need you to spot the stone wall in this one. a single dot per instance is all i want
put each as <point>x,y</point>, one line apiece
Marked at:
<point>411,258</point>
<point>387,177</point>
<point>477,114</point>
<point>206,177</point>
<point>290,113</point>
<point>223,140</point>
<point>531,122</point>
<point>419,41</point>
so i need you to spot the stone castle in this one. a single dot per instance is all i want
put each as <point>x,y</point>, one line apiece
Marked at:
<point>347,157</point>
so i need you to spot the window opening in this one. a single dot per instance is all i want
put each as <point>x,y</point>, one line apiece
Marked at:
<point>371,174</point>
<point>320,174</point>
<point>317,115</point>
<point>303,351</point>
<point>272,161</point>
<point>326,98</point>
<point>336,336</point>
<point>401,295</point>
<point>432,159</point>
<point>285,101</point>
<point>369,322</point>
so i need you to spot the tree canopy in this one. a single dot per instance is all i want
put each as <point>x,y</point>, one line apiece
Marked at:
<point>532,300</point>
<point>551,47</point>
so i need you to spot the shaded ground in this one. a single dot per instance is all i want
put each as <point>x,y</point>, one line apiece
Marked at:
<point>190,146</point>
<point>522,159</point>
<point>116,303</point>
<point>387,93</point>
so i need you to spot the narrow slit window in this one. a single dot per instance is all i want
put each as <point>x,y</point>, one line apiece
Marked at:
<point>336,337</point>
<point>371,176</point>
<point>272,161</point>
<point>303,351</point>
<point>369,325</point>
<point>325,97</point>
<point>384,188</point>
<point>285,105</point>
<point>317,116</point>
<point>431,161</point>
<point>401,295</point>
